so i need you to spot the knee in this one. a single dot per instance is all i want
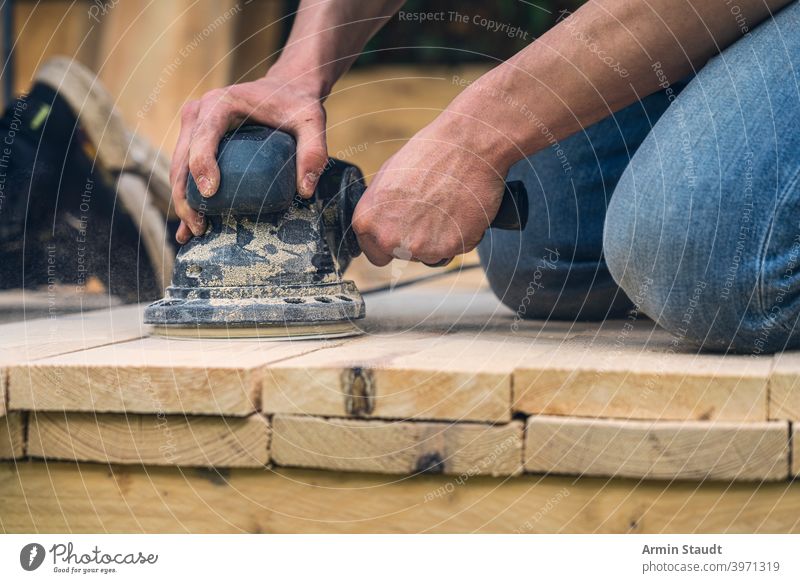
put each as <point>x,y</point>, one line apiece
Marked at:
<point>678,270</point>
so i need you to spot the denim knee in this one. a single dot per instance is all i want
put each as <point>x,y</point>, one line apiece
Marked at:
<point>702,231</point>
<point>703,302</point>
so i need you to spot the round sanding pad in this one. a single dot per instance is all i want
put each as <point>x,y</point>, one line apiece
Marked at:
<point>263,332</point>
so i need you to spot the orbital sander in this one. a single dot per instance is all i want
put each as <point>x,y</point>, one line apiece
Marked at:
<point>270,264</point>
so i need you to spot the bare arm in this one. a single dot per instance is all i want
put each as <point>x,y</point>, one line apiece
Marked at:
<point>435,198</point>
<point>605,56</point>
<point>326,38</point>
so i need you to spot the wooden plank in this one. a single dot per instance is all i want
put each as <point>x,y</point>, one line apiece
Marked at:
<point>86,498</point>
<point>444,311</point>
<point>400,376</point>
<point>662,450</point>
<point>28,340</point>
<point>12,435</point>
<point>397,447</point>
<point>21,304</point>
<point>42,337</point>
<point>171,440</point>
<point>632,381</point>
<point>784,387</point>
<point>795,449</point>
<point>153,375</point>
<point>428,355</point>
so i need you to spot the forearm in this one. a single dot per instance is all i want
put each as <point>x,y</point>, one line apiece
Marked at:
<point>328,35</point>
<point>604,57</point>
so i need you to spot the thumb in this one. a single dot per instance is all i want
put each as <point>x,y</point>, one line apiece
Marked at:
<point>312,154</point>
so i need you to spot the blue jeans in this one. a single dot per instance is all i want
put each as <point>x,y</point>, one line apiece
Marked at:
<point>684,206</point>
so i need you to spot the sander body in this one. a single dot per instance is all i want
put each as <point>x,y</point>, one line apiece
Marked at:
<point>270,264</point>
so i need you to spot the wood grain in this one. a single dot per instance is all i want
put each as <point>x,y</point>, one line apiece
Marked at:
<point>21,342</point>
<point>408,375</point>
<point>784,387</point>
<point>661,450</point>
<point>172,440</point>
<point>87,498</point>
<point>12,435</point>
<point>635,382</point>
<point>152,375</point>
<point>397,447</point>
<point>28,340</point>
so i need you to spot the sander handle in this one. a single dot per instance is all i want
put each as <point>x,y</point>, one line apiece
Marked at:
<point>513,212</point>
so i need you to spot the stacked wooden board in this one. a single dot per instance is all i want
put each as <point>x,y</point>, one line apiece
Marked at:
<point>446,395</point>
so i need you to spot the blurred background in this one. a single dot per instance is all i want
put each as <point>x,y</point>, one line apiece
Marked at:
<point>155,55</point>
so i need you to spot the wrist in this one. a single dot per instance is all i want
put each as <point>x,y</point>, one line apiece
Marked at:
<point>498,118</point>
<point>463,123</point>
<point>313,78</point>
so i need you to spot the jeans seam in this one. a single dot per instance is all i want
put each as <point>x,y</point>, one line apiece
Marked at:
<point>762,280</point>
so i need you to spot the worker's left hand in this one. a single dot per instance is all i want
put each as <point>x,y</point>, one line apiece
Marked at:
<point>431,201</point>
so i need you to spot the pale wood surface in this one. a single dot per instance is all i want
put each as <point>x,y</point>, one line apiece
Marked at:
<point>641,383</point>
<point>12,435</point>
<point>795,447</point>
<point>690,450</point>
<point>411,375</point>
<point>430,355</point>
<point>19,305</point>
<point>227,442</point>
<point>30,339</point>
<point>65,497</point>
<point>153,375</point>
<point>784,393</point>
<point>397,447</point>
<point>427,354</point>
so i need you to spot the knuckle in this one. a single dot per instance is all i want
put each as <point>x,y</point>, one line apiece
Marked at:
<point>418,251</point>
<point>386,242</point>
<point>362,224</point>
<point>189,110</point>
<point>213,95</point>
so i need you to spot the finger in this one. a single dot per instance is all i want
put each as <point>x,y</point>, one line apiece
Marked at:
<point>191,220</point>
<point>179,166</point>
<point>312,153</point>
<point>213,120</point>
<point>369,245</point>
<point>183,234</point>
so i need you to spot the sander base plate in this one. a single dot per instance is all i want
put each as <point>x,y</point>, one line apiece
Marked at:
<point>272,332</point>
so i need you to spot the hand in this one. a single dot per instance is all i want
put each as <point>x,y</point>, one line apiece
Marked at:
<point>432,200</point>
<point>284,102</point>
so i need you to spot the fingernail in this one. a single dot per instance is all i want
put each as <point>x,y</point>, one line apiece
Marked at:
<point>309,183</point>
<point>205,185</point>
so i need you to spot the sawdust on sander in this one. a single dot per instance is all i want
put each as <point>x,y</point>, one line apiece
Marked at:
<point>264,332</point>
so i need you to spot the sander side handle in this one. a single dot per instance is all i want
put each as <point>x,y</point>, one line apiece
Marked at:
<point>513,212</point>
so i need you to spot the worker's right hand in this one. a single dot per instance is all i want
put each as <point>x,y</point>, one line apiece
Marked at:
<point>283,102</point>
